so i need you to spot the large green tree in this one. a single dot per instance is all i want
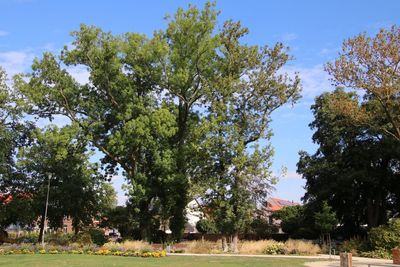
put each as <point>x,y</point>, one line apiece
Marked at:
<point>14,204</point>
<point>354,169</point>
<point>58,158</point>
<point>147,97</point>
<point>237,155</point>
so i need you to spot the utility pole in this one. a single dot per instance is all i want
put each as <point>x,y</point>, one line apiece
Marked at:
<point>45,211</point>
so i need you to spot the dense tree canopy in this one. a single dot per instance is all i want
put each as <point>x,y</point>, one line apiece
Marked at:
<point>153,103</point>
<point>355,169</point>
<point>77,190</point>
<point>371,65</point>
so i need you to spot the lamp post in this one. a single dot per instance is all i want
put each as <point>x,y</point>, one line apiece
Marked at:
<point>45,211</point>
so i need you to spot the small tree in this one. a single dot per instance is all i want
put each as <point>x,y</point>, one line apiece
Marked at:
<point>291,217</point>
<point>325,222</point>
<point>205,226</point>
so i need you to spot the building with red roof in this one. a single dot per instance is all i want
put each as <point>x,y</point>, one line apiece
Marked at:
<point>273,205</point>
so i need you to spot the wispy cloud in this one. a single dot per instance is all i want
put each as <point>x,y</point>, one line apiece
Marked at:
<point>79,73</point>
<point>287,37</point>
<point>292,175</point>
<point>3,33</point>
<point>16,61</point>
<point>314,79</point>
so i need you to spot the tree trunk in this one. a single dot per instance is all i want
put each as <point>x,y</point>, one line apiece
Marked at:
<point>224,244</point>
<point>181,199</point>
<point>76,227</point>
<point>41,226</point>
<point>234,243</point>
<point>145,221</point>
<point>373,210</point>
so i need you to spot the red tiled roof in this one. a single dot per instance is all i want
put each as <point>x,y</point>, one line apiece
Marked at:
<point>275,204</point>
<point>7,198</point>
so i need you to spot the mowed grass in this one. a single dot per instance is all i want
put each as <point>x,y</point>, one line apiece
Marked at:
<point>170,261</point>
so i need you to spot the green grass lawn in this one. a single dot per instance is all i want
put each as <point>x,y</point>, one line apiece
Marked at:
<point>170,261</point>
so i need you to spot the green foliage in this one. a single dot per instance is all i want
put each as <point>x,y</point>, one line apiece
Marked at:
<point>378,253</point>
<point>98,236</point>
<point>262,228</point>
<point>57,239</point>
<point>141,109</point>
<point>325,220</point>
<point>77,190</point>
<point>356,246</point>
<point>385,237</point>
<point>292,218</point>
<point>82,238</point>
<point>352,169</point>
<point>205,226</point>
<point>120,218</point>
<point>276,248</point>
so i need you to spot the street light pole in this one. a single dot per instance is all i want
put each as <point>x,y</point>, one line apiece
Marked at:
<point>45,211</point>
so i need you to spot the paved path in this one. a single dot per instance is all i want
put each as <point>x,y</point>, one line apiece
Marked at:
<point>325,260</point>
<point>357,262</point>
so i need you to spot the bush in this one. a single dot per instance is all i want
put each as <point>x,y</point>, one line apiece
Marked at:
<point>98,236</point>
<point>385,237</point>
<point>205,226</point>
<point>255,247</point>
<point>276,248</point>
<point>262,228</point>
<point>82,238</point>
<point>199,247</point>
<point>58,238</point>
<point>378,253</point>
<point>301,247</point>
<point>132,246</point>
<point>355,246</point>
<point>89,250</point>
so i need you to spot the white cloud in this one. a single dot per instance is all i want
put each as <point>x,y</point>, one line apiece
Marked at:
<point>80,74</point>
<point>292,175</point>
<point>3,33</point>
<point>287,37</point>
<point>16,61</point>
<point>314,79</point>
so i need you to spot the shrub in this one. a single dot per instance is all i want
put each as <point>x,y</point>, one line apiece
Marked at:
<point>98,236</point>
<point>83,238</point>
<point>205,226</point>
<point>262,228</point>
<point>255,247</point>
<point>301,247</point>
<point>199,247</point>
<point>58,238</point>
<point>385,237</point>
<point>354,246</point>
<point>133,246</point>
<point>275,249</point>
<point>378,253</point>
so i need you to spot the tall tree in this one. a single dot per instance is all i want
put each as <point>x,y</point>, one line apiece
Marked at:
<point>13,134</point>
<point>146,98</point>
<point>372,66</point>
<point>59,158</point>
<point>117,110</point>
<point>189,69</point>
<point>237,153</point>
<point>354,168</point>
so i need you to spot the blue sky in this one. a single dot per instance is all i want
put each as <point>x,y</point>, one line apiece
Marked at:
<point>314,31</point>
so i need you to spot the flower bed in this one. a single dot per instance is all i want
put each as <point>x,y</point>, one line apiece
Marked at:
<point>88,250</point>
